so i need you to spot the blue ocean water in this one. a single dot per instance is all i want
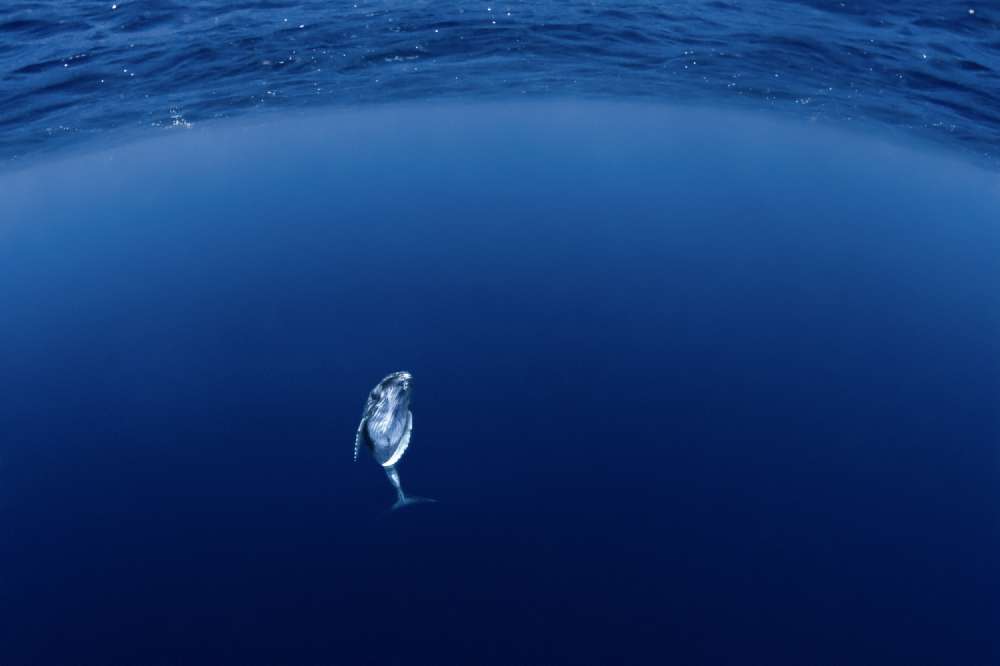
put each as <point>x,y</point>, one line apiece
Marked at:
<point>687,394</point>
<point>702,374</point>
<point>73,69</point>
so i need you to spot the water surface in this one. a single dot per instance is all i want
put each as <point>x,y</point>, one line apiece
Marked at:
<point>78,71</point>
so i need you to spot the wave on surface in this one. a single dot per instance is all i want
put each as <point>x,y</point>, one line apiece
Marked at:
<point>74,69</point>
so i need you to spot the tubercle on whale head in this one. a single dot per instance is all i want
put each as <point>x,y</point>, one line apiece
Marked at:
<point>401,377</point>
<point>398,382</point>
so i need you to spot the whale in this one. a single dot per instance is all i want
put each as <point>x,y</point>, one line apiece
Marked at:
<point>385,429</point>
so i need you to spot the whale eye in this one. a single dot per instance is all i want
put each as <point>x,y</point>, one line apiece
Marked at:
<point>374,395</point>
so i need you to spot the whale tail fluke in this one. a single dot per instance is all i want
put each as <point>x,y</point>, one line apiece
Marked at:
<point>408,500</point>
<point>404,499</point>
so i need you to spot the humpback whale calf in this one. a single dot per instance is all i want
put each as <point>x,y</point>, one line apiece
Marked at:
<point>385,429</point>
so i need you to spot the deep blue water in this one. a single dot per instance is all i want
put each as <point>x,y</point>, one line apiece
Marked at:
<point>700,302</point>
<point>692,396</point>
<point>73,69</point>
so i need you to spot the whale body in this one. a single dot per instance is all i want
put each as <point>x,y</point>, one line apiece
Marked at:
<point>385,428</point>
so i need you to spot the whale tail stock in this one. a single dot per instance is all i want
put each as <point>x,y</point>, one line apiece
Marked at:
<point>403,499</point>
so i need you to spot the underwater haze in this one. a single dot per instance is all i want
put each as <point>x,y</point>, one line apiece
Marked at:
<point>705,366</point>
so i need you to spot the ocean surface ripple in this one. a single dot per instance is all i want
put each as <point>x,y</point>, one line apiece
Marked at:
<point>73,69</point>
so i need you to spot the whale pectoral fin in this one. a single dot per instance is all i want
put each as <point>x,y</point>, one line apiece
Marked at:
<point>359,438</point>
<point>404,441</point>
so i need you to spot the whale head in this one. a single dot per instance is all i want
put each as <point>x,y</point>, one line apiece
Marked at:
<point>394,391</point>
